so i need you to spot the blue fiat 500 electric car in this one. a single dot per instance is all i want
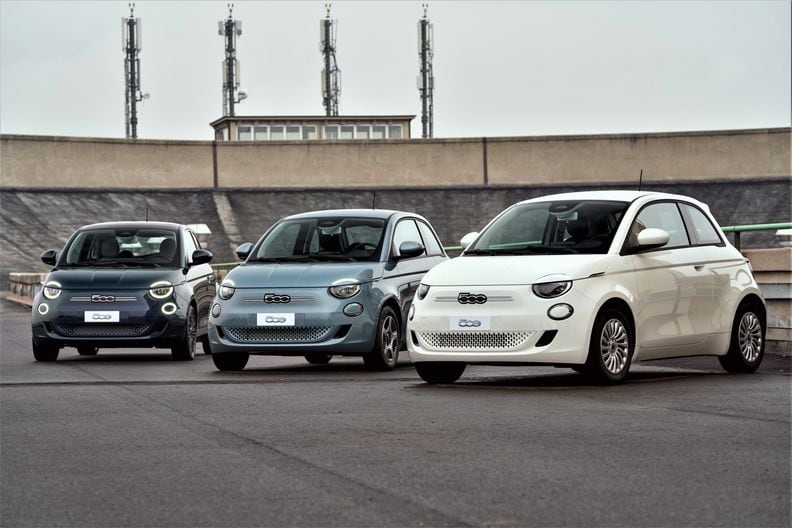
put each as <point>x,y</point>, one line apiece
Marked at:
<point>324,283</point>
<point>124,284</point>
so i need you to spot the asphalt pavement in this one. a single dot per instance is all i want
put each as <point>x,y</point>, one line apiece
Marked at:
<point>131,438</point>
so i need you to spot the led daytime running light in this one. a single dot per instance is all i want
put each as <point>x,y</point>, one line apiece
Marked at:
<point>52,290</point>
<point>161,289</point>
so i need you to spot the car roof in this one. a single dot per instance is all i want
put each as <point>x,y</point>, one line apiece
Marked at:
<point>383,214</point>
<point>133,225</point>
<point>614,195</point>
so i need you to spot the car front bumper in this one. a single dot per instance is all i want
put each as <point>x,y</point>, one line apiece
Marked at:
<point>319,323</point>
<point>141,322</point>
<point>514,327</point>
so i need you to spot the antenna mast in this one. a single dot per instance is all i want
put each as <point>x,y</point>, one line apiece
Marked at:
<point>426,78</point>
<point>230,29</point>
<point>331,75</point>
<point>130,35</point>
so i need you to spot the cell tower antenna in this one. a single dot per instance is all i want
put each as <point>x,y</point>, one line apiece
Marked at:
<point>230,29</point>
<point>426,77</point>
<point>331,74</point>
<point>131,46</point>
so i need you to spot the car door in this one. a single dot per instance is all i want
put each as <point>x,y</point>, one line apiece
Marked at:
<point>200,279</point>
<point>673,288</point>
<point>725,267</point>
<point>404,274</point>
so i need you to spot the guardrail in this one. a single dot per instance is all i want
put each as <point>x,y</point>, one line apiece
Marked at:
<point>754,227</point>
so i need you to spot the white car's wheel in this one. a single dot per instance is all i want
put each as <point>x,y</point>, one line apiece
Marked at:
<point>611,347</point>
<point>747,344</point>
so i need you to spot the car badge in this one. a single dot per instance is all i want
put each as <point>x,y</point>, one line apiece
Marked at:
<point>102,298</point>
<point>274,298</point>
<point>471,298</point>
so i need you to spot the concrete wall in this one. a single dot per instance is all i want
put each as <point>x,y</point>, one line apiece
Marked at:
<point>33,162</point>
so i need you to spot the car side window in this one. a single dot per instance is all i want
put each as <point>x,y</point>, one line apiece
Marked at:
<point>189,246</point>
<point>195,240</point>
<point>705,231</point>
<point>431,243</point>
<point>406,231</point>
<point>665,216</point>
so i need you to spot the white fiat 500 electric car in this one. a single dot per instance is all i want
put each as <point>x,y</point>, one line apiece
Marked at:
<point>590,281</point>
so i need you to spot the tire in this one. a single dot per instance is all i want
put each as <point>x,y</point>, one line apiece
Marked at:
<point>747,343</point>
<point>387,342</point>
<point>86,350</point>
<point>43,351</point>
<point>185,350</point>
<point>230,361</point>
<point>611,347</point>
<point>440,372</point>
<point>316,358</point>
<point>205,346</point>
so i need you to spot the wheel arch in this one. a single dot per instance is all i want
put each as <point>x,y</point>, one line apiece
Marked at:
<point>754,300</point>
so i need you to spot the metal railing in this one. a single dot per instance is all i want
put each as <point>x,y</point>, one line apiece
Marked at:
<point>753,227</point>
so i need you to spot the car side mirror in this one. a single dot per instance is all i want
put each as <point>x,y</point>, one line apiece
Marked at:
<point>49,257</point>
<point>652,238</point>
<point>243,251</point>
<point>410,249</point>
<point>468,239</point>
<point>201,256</point>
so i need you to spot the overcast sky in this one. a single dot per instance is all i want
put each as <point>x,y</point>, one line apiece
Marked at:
<point>501,68</point>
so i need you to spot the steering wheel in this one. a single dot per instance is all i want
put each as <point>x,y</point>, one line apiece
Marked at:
<point>365,246</point>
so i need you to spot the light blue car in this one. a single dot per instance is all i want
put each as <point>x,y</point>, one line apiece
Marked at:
<point>321,284</point>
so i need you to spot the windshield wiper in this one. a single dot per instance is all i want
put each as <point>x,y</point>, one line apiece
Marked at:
<point>334,257</point>
<point>278,260</point>
<point>479,252</point>
<point>545,250</point>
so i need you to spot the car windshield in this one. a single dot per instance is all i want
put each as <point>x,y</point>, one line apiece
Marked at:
<point>560,227</point>
<point>327,239</point>
<point>127,247</point>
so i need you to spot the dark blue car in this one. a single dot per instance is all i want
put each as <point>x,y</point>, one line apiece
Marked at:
<point>124,284</point>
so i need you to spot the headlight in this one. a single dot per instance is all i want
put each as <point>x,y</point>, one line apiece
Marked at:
<point>52,290</point>
<point>226,290</point>
<point>423,289</point>
<point>548,290</point>
<point>161,289</point>
<point>344,291</point>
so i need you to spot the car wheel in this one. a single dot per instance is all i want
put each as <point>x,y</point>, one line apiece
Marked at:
<point>44,351</point>
<point>207,349</point>
<point>230,361</point>
<point>387,342</point>
<point>747,344</point>
<point>440,372</point>
<point>611,347</point>
<point>185,350</point>
<point>318,359</point>
<point>86,350</point>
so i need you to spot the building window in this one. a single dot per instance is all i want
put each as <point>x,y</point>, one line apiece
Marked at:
<point>378,132</point>
<point>331,132</point>
<point>293,132</point>
<point>221,134</point>
<point>395,132</point>
<point>309,132</point>
<point>260,133</point>
<point>276,132</point>
<point>362,132</point>
<point>244,133</point>
<point>347,132</point>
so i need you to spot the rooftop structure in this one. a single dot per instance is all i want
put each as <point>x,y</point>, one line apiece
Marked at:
<point>299,128</point>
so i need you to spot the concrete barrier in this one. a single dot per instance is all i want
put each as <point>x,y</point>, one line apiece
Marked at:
<point>24,286</point>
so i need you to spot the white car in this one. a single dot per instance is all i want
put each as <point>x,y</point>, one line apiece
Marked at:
<point>591,281</point>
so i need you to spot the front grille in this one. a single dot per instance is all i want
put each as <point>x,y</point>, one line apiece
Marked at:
<point>93,330</point>
<point>475,340</point>
<point>291,334</point>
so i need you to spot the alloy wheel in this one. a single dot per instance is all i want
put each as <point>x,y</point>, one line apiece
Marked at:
<point>750,337</point>
<point>390,338</point>
<point>614,346</point>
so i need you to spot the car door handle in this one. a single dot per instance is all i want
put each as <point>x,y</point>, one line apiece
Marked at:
<point>698,267</point>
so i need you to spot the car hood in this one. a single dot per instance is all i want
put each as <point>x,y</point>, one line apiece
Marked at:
<point>515,269</point>
<point>303,275</point>
<point>113,278</point>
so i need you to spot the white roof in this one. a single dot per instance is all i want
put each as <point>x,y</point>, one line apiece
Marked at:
<point>615,195</point>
